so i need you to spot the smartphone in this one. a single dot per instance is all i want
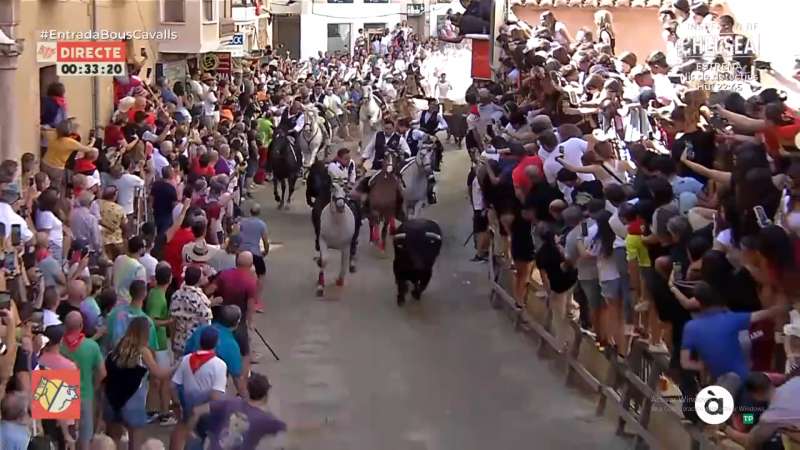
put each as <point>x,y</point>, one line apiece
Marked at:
<point>149,72</point>
<point>561,150</point>
<point>2,230</point>
<point>677,271</point>
<point>717,122</point>
<point>10,262</point>
<point>584,229</point>
<point>16,234</point>
<point>761,216</point>
<point>5,300</point>
<point>84,252</point>
<point>143,52</point>
<point>91,134</point>
<point>675,79</point>
<point>689,150</point>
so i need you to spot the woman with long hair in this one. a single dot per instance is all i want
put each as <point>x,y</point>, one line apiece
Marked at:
<point>126,385</point>
<point>49,219</point>
<point>605,28</point>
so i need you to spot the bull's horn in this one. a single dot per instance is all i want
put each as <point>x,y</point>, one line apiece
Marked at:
<point>429,234</point>
<point>400,236</point>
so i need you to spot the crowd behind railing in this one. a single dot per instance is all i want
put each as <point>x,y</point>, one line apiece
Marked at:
<point>653,209</point>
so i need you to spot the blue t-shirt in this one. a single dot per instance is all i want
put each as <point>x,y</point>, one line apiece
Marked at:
<point>227,347</point>
<point>251,229</point>
<point>235,424</point>
<point>715,338</point>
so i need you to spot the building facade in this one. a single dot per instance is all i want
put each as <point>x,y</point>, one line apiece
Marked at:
<point>306,27</point>
<point>191,29</point>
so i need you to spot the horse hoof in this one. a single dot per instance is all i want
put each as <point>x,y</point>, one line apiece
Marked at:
<point>320,291</point>
<point>353,269</point>
<point>340,282</point>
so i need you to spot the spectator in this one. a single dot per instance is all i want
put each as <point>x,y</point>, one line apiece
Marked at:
<point>85,353</point>
<point>189,309</point>
<point>119,319</point>
<point>112,222</point>
<point>128,269</point>
<point>128,366</point>
<point>14,426</point>
<point>199,379</point>
<point>158,311</point>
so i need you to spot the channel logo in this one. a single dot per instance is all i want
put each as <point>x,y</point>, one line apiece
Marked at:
<point>714,405</point>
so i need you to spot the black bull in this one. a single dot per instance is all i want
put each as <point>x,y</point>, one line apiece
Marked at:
<point>416,246</point>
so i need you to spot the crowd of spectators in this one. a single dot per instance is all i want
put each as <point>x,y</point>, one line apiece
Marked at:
<point>653,208</point>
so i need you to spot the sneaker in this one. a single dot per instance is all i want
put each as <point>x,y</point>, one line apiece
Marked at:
<point>153,416</point>
<point>167,420</point>
<point>479,258</point>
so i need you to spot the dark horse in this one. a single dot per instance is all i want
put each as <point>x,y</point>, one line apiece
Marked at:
<point>318,195</point>
<point>285,167</point>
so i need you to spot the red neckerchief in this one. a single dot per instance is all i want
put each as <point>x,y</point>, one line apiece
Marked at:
<point>60,101</point>
<point>73,339</point>
<point>41,254</point>
<point>200,357</point>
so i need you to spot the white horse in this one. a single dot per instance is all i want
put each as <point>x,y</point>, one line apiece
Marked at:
<point>336,230</point>
<point>415,181</point>
<point>369,116</point>
<point>313,139</point>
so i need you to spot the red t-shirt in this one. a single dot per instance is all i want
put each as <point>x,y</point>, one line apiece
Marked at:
<point>207,171</point>
<point>520,180</point>
<point>112,135</point>
<point>236,287</point>
<point>173,251</point>
<point>776,136</point>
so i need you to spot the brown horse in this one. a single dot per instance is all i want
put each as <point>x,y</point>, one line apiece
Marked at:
<point>385,199</point>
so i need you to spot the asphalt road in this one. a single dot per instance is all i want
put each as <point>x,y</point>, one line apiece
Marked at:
<point>447,373</point>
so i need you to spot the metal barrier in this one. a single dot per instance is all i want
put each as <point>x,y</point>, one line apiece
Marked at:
<point>631,384</point>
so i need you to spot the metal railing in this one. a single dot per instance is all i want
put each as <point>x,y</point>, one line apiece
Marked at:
<point>630,385</point>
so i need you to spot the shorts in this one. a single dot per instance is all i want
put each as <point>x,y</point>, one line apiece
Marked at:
<point>480,222</point>
<point>242,337</point>
<point>260,265</point>
<point>164,358</point>
<point>86,424</point>
<point>591,290</point>
<point>612,289</point>
<point>133,413</point>
<point>187,405</point>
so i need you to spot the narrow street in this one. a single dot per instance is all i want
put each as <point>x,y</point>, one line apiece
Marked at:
<point>447,373</point>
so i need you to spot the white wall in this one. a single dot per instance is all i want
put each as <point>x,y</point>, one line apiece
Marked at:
<point>315,17</point>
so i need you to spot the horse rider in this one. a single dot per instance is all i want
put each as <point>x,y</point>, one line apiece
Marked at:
<point>386,140</point>
<point>342,170</point>
<point>317,98</point>
<point>292,122</point>
<point>415,137</point>
<point>431,121</point>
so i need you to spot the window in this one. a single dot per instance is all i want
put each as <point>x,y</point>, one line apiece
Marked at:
<point>174,11</point>
<point>374,28</point>
<point>208,10</point>
<point>339,37</point>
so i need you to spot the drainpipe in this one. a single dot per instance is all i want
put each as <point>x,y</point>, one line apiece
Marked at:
<point>95,79</point>
<point>10,49</point>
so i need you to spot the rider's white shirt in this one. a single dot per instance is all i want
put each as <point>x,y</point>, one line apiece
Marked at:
<point>340,173</point>
<point>423,117</point>
<point>369,150</point>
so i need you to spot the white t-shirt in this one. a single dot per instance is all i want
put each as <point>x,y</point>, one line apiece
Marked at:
<point>9,218</point>
<point>159,162</point>
<point>126,186</point>
<point>574,148</point>
<point>211,376</point>
<point>49,318</point>
<point>47,221</point>
<point>149,263</point>
<point>443,89</point>
<point>606,265</point>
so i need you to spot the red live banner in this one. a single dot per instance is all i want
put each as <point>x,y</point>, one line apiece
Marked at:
<point>91,51</point>
<point>481,59</point>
